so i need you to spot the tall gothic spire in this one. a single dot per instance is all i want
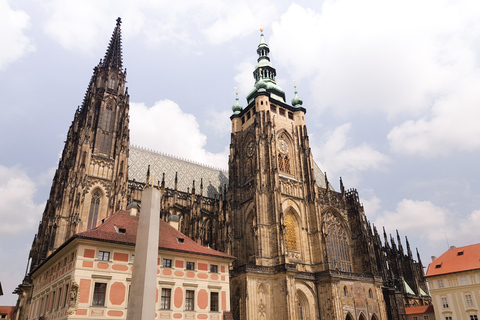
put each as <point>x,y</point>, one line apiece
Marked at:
<point>264,74</point>
<point>113,56</point>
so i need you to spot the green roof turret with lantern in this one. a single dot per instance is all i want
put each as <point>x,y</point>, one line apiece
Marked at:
<point>265,73</point>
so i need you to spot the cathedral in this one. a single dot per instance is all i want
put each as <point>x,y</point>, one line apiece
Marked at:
<point>303,250</point>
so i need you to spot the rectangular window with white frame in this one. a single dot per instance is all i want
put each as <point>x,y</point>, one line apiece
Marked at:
<point>440,284</point>
<point>444,302</point>
<point>213,301</point>
<point>167,263</point>
<point>469,300</point>
<point>190,300</point>
<point>103,255</point>
<point>99,293</point>
<point>165,298</point>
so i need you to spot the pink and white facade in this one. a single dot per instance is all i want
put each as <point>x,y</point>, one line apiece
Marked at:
<point>89,277</point>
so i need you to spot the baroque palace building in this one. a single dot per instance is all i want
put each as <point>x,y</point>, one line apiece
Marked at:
<point>303,250</point>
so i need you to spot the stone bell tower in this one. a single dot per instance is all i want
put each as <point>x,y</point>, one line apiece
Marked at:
<point>304,251</point>
<point>271,186</point>
<point>91,180</point>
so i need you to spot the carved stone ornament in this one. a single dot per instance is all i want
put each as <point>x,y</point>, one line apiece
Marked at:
<point>73,299</point>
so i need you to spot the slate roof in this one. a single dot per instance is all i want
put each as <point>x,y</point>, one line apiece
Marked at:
<point>168,236</point>
<point>214,179</point>
<point>140,159</point>
<point>419,310</point>
<point>456,260</point>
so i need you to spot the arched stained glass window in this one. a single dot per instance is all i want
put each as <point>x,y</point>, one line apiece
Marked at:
<point>281,166</point>
<point>94,206</point>
<point>286,163</point>
<point>290,232</point>
<point>104,143</point>
<point>106,123</point>
<point>338,249</point>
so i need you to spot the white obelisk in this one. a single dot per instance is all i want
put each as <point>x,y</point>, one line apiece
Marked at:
<point>141,304</point>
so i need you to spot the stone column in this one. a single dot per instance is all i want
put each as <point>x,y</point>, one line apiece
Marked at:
<point>143,291</point>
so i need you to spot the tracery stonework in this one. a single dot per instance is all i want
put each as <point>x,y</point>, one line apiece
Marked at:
<point>337,243</point>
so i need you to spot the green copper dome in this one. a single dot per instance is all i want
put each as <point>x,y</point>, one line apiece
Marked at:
<point>297,102</point>
<point>237,108</point>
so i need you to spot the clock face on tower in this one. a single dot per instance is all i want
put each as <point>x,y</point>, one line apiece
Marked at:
<point>282,146</point>
<point>250,148</point>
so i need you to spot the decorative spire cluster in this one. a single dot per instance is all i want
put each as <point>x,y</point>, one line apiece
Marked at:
<point>113,56</point>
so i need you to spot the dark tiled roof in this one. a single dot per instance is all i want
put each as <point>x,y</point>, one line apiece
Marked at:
<point>168,235</point>
<point>456,260</point>
<point>139,160</point>
<point>419,310</point>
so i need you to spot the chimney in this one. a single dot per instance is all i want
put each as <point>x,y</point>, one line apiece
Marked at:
<point>133,208</point>
<point>173,220</point>
<point>434,258</point>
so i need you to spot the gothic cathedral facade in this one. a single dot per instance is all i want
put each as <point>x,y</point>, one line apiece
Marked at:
<point>303,250</point>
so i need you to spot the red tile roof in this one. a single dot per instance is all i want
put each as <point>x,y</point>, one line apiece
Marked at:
<point>419,310</point>
<point>456,260</point>
<point>168,236</point>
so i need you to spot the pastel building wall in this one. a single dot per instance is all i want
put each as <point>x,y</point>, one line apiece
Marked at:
<point>90,276</point>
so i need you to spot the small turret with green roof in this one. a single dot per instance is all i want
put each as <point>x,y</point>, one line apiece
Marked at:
<point>296,102</point>
<point>237,108</point>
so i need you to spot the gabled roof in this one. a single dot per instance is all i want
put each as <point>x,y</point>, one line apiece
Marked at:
<point>121,228</point>
<point>419,310</point>
<point>456,260</point>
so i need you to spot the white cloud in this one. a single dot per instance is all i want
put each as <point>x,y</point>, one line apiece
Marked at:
<point>371,206</point>
<point>16,196</point>
<point>244,78</point>
<point>466,233</point>
<point>337,155</point>
<point>376,55</point>
<point>452,126</point>
<point>14,42</point>
<point>76,24</point>
<point>421,218</point>
<point>431,227</point>
<point>219,121</point>
<point>165,127</point>
<point>239,18</point>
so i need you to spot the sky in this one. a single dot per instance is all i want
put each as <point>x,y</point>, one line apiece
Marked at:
<point>391,89</point>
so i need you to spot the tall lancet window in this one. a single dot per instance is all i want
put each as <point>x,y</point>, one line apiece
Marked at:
<point>338,249</point>
<point>94,205</point>
<point>281,165</point>
<point>106,126</point>
<point>290,232</point>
